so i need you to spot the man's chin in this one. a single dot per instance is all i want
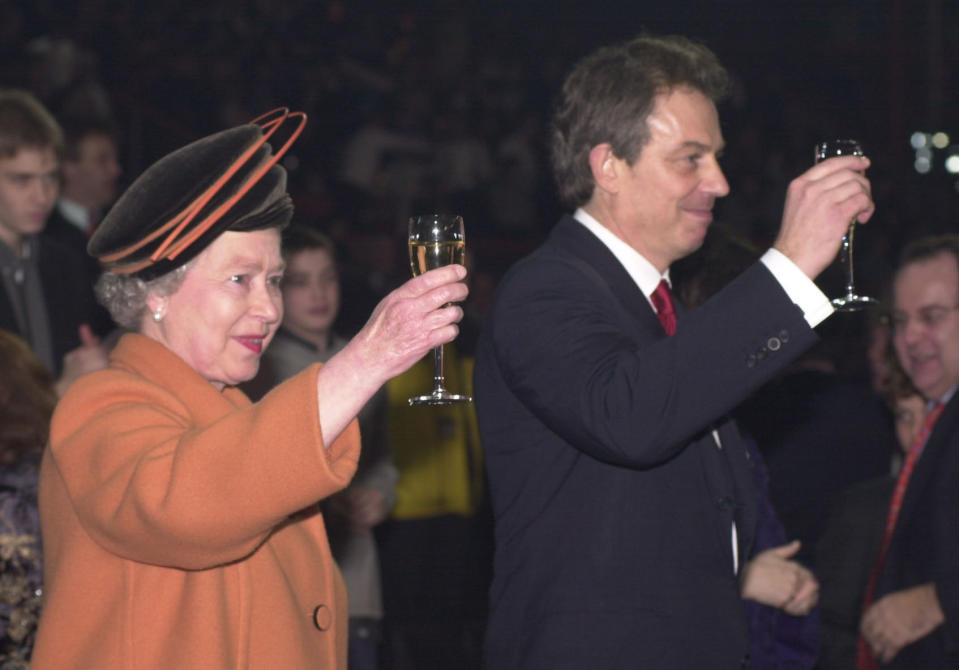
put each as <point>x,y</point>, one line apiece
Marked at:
<point>34,227</point>
<point>694,244</point>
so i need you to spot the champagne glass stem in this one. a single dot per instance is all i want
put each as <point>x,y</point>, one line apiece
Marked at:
<point>439,383</point>
<point>847,258</point>
<point>851,301</point>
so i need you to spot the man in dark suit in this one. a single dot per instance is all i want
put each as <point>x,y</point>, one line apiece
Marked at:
<point>90,173</point>
<point>45,292</point>
<point>89,177</point>
<point>911,615</point>
<point>621,492</point>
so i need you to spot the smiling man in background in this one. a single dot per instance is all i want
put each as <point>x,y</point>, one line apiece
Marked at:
<point>911,612</point>
<point>45,292</point>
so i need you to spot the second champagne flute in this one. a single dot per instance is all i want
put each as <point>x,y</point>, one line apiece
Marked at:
<point>436,240</point>
<point>851,301</point>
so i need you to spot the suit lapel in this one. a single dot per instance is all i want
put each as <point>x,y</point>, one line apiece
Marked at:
<point>929,461</point>
<point>573,239</point>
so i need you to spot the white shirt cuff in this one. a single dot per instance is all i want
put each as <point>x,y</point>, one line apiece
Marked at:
<point>801,289</point>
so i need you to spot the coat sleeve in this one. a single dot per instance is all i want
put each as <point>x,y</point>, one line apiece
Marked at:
<point>623,392</point>
<point>150,485</point>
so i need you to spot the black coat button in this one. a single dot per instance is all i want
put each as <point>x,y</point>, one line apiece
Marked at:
<point>773,343</point>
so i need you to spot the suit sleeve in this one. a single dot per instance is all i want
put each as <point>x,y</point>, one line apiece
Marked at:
<point>619,389</point>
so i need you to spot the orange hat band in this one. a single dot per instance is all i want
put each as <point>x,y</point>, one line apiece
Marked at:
<point>176,242</point>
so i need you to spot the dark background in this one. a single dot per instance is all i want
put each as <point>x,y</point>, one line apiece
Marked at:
<point>171,71</point>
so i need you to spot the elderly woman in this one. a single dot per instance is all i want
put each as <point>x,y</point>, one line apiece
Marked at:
<point>179,519</point>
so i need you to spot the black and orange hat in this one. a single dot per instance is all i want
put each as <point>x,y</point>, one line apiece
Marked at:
<point>179,205</point>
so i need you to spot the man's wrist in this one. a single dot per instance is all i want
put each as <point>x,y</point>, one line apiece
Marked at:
<point>798,286</point>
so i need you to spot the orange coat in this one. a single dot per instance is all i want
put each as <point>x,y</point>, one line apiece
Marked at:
<point>170,525</point>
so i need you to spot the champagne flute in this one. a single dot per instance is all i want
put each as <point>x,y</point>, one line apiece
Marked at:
<point>851,301</point>
<point>436,240</point>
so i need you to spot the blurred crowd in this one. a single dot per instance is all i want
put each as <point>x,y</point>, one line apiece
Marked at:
<point>426,106</point>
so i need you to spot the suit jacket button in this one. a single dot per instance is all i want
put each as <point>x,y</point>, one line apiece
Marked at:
<point>784,336</point>
<point>322,618</point>
<point>751,361</point>
<point>773,343</point>
<point>761,354</point>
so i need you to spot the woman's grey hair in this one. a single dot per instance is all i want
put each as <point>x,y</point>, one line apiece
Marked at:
<point>125,296</point>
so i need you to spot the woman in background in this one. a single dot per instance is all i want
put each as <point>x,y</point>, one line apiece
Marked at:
<point>311,302</point>
<point>27,398</point>
<point>853,533</point>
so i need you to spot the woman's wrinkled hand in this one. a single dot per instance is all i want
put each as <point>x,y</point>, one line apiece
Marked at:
<point>413,319</point>
<point>416,317</point>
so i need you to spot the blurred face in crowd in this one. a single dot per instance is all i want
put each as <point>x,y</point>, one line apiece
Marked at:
<point>926,323</point>
<point>909,414</point>
<point>226,310</point>
<point>311,295</point>
<point>664,201</point>
<point>91,180</point>
<point>29,184</point>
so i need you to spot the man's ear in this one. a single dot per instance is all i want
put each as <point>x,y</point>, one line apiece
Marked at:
<point>602,163</point>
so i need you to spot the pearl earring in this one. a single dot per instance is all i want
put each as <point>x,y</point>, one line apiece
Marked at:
<point>158,315</point>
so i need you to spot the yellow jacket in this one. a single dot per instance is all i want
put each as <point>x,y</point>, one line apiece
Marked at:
<point>435,449</point>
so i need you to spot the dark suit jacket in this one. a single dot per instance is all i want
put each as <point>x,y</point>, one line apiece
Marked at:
<point>925,543</point>
<point>613,504</point>
<point>69,299</point>
<point>845,555</point>
<point>58,228</point>
<point>64,233</point>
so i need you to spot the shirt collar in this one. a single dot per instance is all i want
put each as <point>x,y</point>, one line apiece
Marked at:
<point>644,273</point>
<point>75,213</point>
<point>947,396</point>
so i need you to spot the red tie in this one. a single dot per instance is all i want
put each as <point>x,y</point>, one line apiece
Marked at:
<point>663,302</point>
<point>864,658</point>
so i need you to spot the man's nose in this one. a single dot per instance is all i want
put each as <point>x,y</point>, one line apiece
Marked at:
<point>715,181</point>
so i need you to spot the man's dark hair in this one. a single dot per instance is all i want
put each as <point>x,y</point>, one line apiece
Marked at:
<point>78,128</point>
<point>929,247</point>
<point>609,95</point>
<point>26,124</point>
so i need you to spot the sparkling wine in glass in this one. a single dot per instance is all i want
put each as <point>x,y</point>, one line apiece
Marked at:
<point>851,301</point>
<point>436,240</point>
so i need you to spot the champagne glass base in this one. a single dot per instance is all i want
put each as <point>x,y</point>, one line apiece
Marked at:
<point>439,397</point>
<point>853,303</point>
